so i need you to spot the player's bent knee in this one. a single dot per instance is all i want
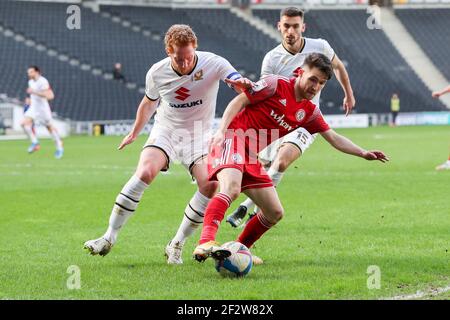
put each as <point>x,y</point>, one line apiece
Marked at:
<point>25,122</point>
<point>147,172</point>
<point>233,190</point>
<point>278,214</point>
<point>207,188</point>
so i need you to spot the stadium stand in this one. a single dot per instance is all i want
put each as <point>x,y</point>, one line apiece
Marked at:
<point>429,27</point>
<point>79,95</point>
<point>134,36</point>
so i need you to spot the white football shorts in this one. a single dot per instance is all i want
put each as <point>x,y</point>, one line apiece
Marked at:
<point>40,115</point>
<point>179,146</point>
<point>301,138</point>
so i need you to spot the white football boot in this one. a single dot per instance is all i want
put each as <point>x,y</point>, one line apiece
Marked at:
<point>210,249</point>
<point>100,246</point>
<point>173,253</point>
<point>444,166</point>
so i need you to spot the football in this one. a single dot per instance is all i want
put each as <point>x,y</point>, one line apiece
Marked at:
<point>238,264</point>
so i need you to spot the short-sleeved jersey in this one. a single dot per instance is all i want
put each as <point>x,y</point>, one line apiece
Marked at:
<point>187,99</point>
<point>274,112</point>
<point>281,62</point>
<point>40,84</point>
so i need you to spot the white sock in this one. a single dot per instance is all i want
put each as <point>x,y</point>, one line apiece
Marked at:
<point>126,203</point>
<point>29,131</point>
<point>58,141</point>
<point>248,203</point>
<point>193,217</point>
<point>275,175</point>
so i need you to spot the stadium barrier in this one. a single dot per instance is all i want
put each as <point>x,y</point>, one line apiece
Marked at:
<point>364,120</point>
<point>11,116</point>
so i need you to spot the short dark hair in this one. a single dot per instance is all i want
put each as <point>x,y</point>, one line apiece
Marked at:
<point>292,12</point>
<point>36,68</point>
<point>321,62</point>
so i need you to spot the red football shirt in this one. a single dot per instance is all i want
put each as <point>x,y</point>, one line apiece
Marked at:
<point>273,112</point>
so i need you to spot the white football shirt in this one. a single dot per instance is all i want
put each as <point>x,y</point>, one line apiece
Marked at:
<point>37,102</point>
<point>186,99</point>
<point>279,61</point>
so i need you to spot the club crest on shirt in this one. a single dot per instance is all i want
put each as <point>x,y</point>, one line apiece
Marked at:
<point>258,86</point>
<point>300,115</point>
<point>198,75</point>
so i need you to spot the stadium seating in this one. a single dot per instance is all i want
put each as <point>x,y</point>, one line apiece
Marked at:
<point>79,95</point>
<point>99,42</point>
<point>430,29</point>
<point>133,36</point>
<point>376,69</point>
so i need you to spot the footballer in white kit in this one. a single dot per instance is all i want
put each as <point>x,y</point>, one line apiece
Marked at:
<point>281,62</point>
<point>186,111</point>
<point>39,111</point>
<point>182,89</point>
<point>284,60</point>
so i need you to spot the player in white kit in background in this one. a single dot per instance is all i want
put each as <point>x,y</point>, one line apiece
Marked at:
<point>284,60</point>
<point>39,111</point>
<point>182,89</point>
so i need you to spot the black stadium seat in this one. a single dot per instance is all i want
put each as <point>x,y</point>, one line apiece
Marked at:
<point>376,68</point>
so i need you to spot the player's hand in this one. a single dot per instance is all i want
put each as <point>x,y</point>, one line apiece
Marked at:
<point>30,91</point>
<point>129,138</point>
<point>375,155</point>
<point>216,140</point>
<point>436,94</point>
<point>349,103</point>
<point>240,84</point>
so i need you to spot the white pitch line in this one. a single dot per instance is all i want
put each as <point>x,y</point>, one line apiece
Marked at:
<point>421,294</point>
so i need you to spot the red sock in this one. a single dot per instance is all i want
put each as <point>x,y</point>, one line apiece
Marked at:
<point>254,229</point>
<point>214,213</point>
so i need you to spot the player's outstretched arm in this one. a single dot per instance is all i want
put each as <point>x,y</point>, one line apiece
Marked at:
<point>145,111</point>
<point>345,145</point>
<point>342,76</point>
<point>233,108</point>
<point>437,94</point>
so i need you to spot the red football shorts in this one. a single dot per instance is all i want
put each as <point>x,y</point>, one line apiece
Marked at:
<point>234,153</point>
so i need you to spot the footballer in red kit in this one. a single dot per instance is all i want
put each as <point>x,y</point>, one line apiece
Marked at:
<point>272,113</point>
<point>266,111</point>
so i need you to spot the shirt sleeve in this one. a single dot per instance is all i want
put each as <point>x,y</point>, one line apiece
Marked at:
<point>317,123</point>
<point>151,91</point>
<point>263,89</point>
<point>226,70</point>
<point>266,67</point>
<point>327,50</point>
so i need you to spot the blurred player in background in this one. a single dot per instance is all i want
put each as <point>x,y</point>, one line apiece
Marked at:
<point>39,111</point>
<point>270,109</point>
<point>284,60</point>
<point>184,87</point>
<point>437,94</point>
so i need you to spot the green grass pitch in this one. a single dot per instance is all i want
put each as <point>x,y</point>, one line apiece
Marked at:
<point>343,214</point>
